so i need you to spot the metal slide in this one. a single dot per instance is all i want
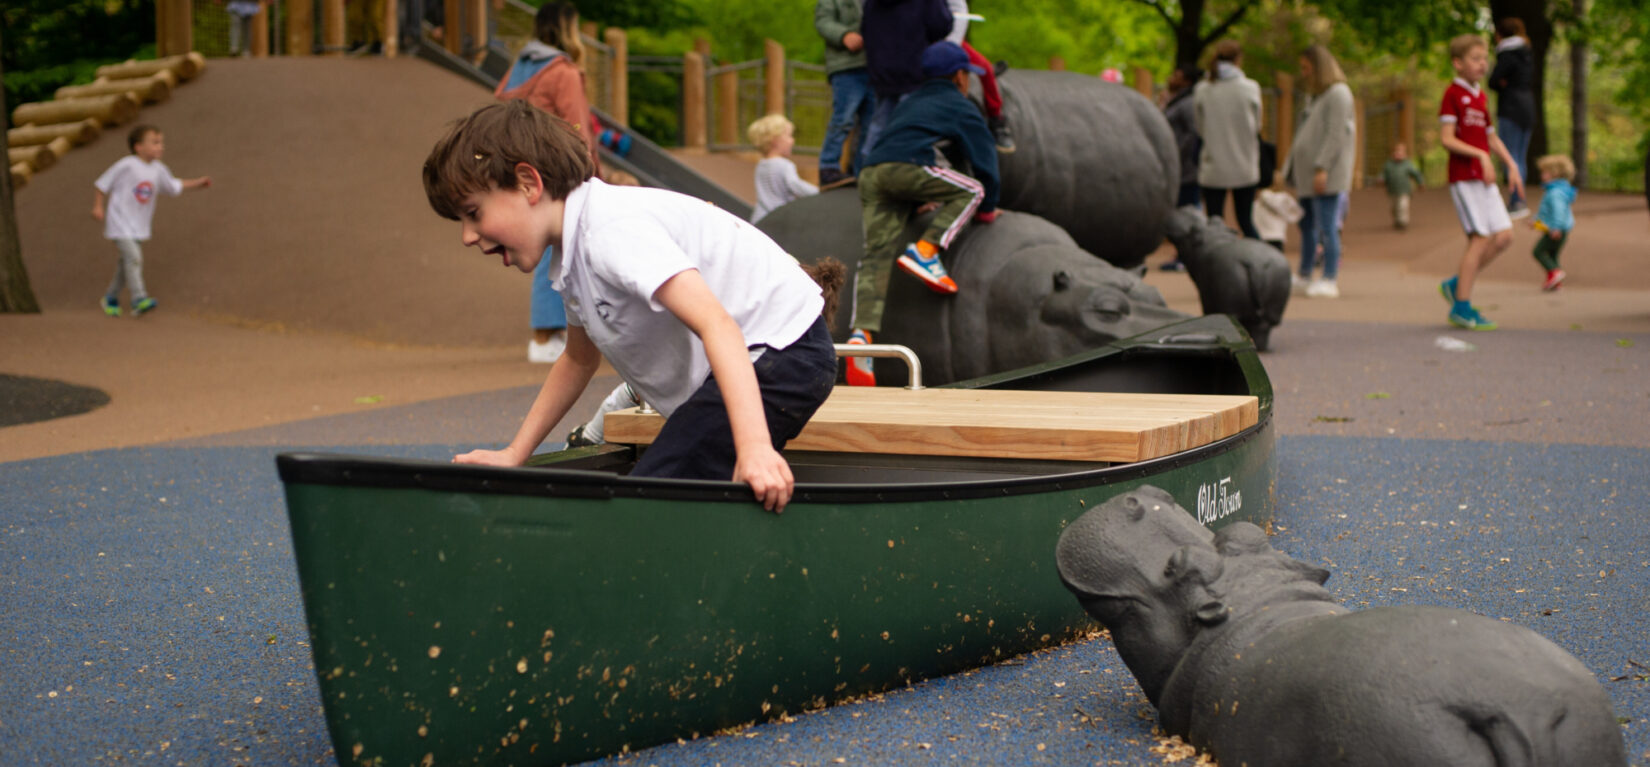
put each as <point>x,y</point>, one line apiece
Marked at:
<point>647,161</point>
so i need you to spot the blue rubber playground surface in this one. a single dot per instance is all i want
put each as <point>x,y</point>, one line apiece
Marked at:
<point>152,612</point>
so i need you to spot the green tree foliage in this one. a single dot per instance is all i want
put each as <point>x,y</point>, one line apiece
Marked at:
<point>58,42</point>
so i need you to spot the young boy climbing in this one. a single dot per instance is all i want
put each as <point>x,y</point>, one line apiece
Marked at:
<point>702,314</point>
<point>901,174</point>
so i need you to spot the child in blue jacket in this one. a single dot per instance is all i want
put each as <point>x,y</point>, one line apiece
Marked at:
<point>1554,220</point>
<point>901,174</point>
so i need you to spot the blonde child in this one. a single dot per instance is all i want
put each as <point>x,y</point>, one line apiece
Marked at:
<point>125,203</point>
<point>704,316</point>
<point>1469,135</point>
<point>1275,210</point>
<point>777,181</point>
<point>1554,220</point>
<point>1398,173</point>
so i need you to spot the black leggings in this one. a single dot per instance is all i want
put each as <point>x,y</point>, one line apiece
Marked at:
<point>1243,200</point>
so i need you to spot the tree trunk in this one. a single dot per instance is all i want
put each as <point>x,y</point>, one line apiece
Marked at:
<point>1540,31</point>
<point>15,294</point>
<point>1578,97</point>
<point>1188,37</point>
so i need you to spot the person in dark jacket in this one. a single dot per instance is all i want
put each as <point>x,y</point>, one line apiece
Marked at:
<point>1178,111</point>
<point>837,22</point>
<point>1513,79</point>
<point>901,174</point>
<point>895,33</point>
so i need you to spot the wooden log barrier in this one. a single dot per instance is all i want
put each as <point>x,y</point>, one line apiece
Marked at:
<point>148,90</point>
<point>113,109</point>
<point>20,175</point>
<point>38,157</point>
<point>187,66</point>
<point>75,132</point>
<point>60,146</point>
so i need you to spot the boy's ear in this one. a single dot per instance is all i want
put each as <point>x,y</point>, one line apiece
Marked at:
<point>529,182</point>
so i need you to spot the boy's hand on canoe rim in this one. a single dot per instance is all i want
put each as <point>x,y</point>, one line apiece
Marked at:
<point>769,477</point>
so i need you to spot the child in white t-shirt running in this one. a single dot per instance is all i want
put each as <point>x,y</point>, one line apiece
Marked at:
<point>125,203</point>
<point>777,181</point>
<point>708,319</point>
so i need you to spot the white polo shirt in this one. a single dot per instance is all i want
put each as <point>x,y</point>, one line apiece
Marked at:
<point>621,243</point>
<point>132,185</point>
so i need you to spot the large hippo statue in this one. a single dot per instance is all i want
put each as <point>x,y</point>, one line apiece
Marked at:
<point>1096,158</point>
<point>1245,655</point>
<point>1245,278</point>
<point>1028,294</point>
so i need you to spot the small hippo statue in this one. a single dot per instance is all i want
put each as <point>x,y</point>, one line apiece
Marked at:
<point>1247,657</point>
<point>1244,278</point>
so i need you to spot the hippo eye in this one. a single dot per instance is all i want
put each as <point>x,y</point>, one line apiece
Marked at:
<point>1062,280</point>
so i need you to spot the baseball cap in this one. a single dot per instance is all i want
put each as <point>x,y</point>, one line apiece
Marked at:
<point>945,57</point>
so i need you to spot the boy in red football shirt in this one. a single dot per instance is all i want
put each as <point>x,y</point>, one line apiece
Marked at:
<point>1470,138</point>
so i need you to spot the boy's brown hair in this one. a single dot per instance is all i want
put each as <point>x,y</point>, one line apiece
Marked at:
<point>482,150</point>
<point>1559,165</point>
<point>1461,45</point>
<point>136,134</point>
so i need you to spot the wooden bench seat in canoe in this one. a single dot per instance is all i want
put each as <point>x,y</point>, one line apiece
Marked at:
<point>996,423</point>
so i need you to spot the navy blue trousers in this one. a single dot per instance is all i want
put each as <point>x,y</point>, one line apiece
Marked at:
<point>697,440</point>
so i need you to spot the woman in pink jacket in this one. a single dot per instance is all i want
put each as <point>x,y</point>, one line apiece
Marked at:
<point>547,75</point>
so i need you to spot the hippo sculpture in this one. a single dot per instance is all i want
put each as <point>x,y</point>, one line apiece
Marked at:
<point>1094,157</point>
<point>1246,656</point>
<point>1244,278</point>
<point>1028,295</point>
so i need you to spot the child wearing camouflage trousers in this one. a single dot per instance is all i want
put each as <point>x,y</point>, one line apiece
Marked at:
<point>901,175</point>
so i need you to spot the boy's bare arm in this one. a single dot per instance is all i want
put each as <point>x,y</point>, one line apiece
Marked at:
<point>1515,174</point>
<point>1446,136</point>
<point>561,389</point>
<point>99,199</point>
<point>688,297</point>
<point>197,183</point>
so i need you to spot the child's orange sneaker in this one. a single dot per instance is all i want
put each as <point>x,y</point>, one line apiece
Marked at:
<point>928,269</point>
<point>859,368</point>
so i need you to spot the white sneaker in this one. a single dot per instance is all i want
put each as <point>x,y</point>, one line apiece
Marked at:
<point>1297,283</point>
<point>1323,289</point>
<point>549,351</point>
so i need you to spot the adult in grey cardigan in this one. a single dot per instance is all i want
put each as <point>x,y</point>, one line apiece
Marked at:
<point>837,22</point>
<point>1320,165</point>
<point>1226,111</point>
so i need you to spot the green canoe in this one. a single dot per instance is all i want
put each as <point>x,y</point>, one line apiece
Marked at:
<point>564,612</point>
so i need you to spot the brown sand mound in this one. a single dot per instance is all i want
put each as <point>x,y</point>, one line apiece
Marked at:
<point>316,218</point>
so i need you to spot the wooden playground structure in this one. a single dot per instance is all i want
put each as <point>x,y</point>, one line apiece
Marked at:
<point>717,98</point>
<point>46,130</point>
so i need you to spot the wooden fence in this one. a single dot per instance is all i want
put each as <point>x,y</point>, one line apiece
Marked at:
<point>715,99</point>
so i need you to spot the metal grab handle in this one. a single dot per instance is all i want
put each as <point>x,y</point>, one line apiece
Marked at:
<point>886,350</point>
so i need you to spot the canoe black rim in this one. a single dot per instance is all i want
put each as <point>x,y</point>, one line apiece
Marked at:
<point>357,471</point>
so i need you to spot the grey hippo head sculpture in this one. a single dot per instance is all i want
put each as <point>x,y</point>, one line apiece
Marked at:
<point>1244,278</point>
<point>1247,656</point>
<point>1028,293</point>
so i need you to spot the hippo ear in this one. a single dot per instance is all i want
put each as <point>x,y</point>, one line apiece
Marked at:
<point>1135,509</point>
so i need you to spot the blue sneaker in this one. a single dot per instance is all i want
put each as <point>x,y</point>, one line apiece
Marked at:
<point>1447,290</point>
<point>111,306</point>
<point>143,306</point>
<point>1470,319</point>
<point>928,269</point>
